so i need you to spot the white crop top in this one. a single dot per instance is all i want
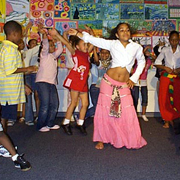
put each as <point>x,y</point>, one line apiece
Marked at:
<point>121,56</point>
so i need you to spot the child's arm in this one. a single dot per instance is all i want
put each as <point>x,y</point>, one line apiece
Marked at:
<point>140,66</point>
<point>158,63</point>
<point>91,32</point>
<point>26,69</point>
<point>96,57</point>
<point>56,35</point>
<point>65,35</point>
<point>45,43</point>
<point>59,49</point>
<point>99,42</point>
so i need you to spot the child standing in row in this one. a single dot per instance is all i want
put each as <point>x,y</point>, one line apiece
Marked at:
<point>100,63</point>
<point>76,81</point>
<point>169,87</point>
<point>46,80</point>
<point>142,84</point>
<point>115,119</point>
<point>12,90</point>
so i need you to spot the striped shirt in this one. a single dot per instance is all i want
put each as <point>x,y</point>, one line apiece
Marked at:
<point>11,85</point>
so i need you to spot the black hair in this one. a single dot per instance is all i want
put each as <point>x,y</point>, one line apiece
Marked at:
<point>75,41</point>
<point>12,26</point>
<point>29,42</point>
<point>173,32</point>
<point>115,30</point>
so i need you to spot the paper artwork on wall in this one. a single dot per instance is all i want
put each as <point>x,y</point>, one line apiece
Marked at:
<point>107,11</point>
<point>2,10</point>
<point>175,3</point>
<point>142,40</point>
<point>132,11</point>
<point>155,1</point>
<point>42,12</point>
<point>62,26</point>
<point>174,12</point>
<point>17,11</point>
<point>107,1</point>
<point>156,11</point>
<point>83,11</point>
<point>62,9</point>
<point>131,1</point>
<point>82,1</point>
<point>163,27</point>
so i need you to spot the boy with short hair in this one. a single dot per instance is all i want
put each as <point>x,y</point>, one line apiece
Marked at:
<point>12,90</point>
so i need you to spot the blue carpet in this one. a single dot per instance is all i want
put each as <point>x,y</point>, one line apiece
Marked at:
<point>54,155</point>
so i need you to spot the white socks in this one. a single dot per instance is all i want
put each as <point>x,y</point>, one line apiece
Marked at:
<point>66,121</point>
<point>144,118</point>
<point>14,158</point>
<point>80,122</point>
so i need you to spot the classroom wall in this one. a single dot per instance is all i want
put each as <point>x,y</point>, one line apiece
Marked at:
<point>151,21</point>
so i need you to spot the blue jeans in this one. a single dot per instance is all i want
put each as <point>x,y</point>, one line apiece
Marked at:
<point>135,95</point>
<point>49,104</point>
<point>94,93</point>
<point>29,114</point>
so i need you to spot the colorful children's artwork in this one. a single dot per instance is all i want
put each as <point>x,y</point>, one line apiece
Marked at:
<point>62,60</point>
<point>163,27</point>
<point>17,11</point>
<point>140,28</point>
<point>107,11</point>
<point>2,10</point>
<point>42,12</point>
<point>82,1</point>
<point>175,3</point>
<point>155,1</point>
<point>131,1</point>
<point>174,12</point>
<point>2,35</point>
<point>107,1</point>
<point>142,40</point>
<point>178,25</point>
<point>108,26</point>
<point>132,11</point>
<point>83,11</point>
<point>95,25</point>
<point>62,9</point>
<point>156,11</point>
<point>62,26</point>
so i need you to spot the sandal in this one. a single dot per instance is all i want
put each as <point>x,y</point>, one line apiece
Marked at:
<point>22,119</point>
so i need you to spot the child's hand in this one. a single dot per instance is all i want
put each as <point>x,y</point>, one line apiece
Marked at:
<point>72,32</point>
<point>130,83</point>
<point>28,90</point>
<point>32,69</point>
<point>29,25</point>
<point>41,29</point>
<point>168,70</point>
<point>53,32</point>
<point>89,30</point>
<point>176,71</point>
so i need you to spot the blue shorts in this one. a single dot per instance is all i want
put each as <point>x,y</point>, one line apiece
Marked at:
<point>9,111</point>
<point>30,81</point>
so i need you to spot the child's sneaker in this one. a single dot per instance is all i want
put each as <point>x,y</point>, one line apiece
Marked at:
<point>22,163</point>
<point>145,118</point>
<point>29,123</point>
<point>4,152</point>
<point>10,123</point>
<point>44,129</point>
<point>54,127</point>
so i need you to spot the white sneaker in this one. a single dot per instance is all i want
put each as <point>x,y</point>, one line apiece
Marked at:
<point>54,127</point>
<point>10,123</point>
<point>4,152</point>
<point>144,118</point>
<point>44,129</point>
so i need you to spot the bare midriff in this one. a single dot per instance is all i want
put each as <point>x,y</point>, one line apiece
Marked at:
<point>118,73</point>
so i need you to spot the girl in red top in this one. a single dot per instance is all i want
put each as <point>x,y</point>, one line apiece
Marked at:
<point>76,80</point>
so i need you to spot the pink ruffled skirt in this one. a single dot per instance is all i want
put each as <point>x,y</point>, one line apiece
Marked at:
<point>119,132</point>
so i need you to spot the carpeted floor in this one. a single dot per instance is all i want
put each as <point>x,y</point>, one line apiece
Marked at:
<point>54,155</point>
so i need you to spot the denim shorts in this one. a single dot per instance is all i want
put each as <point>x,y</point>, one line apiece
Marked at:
<point>9,111</point>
